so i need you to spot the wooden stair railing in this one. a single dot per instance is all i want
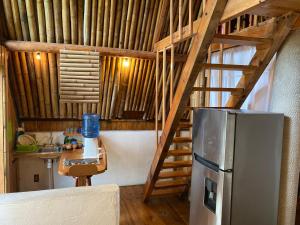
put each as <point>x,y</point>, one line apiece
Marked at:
<point>194,64</point>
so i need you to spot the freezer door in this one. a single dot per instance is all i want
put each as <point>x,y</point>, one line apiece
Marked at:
<point>210,196</point>
<point>213,136</point>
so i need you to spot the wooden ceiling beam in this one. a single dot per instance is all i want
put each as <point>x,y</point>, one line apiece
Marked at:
<point>29,46</point>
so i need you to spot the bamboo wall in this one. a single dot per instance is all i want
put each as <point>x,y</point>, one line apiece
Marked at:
<point>125,24</point>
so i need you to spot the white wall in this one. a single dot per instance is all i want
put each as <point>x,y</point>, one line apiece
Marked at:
<point>129,153</point>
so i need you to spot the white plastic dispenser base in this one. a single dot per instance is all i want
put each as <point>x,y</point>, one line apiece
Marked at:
<point>91,148</point>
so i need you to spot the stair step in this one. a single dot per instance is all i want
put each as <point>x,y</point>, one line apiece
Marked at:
<point>173,174</point>
<point>185,125</point>
<point>170,183</point>
<point>179,152</point>
<point>229,67</point>
<point>192,108</point>
<point>232,90</point>
<point>182,140</point>
<point>239,40</point>
<point>168,191</point>
<point>177,164</point>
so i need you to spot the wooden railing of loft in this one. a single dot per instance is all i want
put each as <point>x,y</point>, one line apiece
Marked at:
<point>171,46</point>
<point>230,27</point>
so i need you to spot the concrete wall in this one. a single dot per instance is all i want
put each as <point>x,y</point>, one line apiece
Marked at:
<point>130,154</point>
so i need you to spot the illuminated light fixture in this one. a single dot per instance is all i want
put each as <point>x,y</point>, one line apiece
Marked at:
<point>38,56</point>
<point>126,62</point>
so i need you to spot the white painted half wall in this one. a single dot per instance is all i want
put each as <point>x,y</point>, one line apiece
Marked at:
<point>130,154</point>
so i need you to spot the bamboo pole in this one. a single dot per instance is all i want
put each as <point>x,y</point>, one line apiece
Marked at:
<point>143,45</point>
<point>41,20</point>
<point>94,23</point>
<point>138,83</point>
<point>141,86</point>
<point>53,84</point>
<point>143,94</point>
<point>106,22</point>
<point>125,72</point>
<point>45,81</point>
<point>74,25</point>
<point>111,23</point>
<point>105,88</point>
<point>24,21</point>
<point>116,34</point>
<point>133,26</point>
<point>139,42</point>
<point>31,20</point>
<point>19,79</point>
<point>134,70</point>
<point>9,19</point>
<point>57,9</point>
<point>80,33</point>
<point>87,22</point>
<point>139,25</point>
<point>14,86</point>
<point>32,78</point>
<point>49,17</point>
<point>16,19</point>
<point>115,89</point>
<point>130,82</point>
<point>123,23</point>
<point>110,88</point>
<point>128,23</point>
<point>152,27</point>
<point>27,84</point>
<point>66,21</point>
<point>99,32</point>
<point>151,78</point>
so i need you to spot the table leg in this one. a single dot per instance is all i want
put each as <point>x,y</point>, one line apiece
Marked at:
<point>81,181</point>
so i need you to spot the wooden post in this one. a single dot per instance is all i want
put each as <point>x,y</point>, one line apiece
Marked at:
<point>180,19</point>
<point>191,16</point>
<point>172,75</point>
<point>208,75</point>
<point>156,96</point>
<point>163,89</point>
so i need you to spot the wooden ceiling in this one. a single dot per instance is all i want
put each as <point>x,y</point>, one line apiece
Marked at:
<point>124,24</point>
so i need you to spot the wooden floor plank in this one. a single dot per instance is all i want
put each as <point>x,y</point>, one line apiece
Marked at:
<point>157,211</point>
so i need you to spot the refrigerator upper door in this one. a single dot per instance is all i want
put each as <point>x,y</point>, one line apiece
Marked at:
<point>211,196</point>
<point>213,136</point>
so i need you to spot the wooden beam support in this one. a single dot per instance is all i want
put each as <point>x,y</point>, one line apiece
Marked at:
<point>41,125</point>
<point>29,46</point>
<point>205,33</point>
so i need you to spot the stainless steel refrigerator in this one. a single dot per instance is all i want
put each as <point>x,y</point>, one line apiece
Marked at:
<point>236,167</point>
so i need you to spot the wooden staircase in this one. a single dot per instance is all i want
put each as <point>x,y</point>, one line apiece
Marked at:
<point>170,171</point>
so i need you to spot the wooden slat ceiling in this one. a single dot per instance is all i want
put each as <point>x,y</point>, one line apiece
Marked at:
<point>125,24</point>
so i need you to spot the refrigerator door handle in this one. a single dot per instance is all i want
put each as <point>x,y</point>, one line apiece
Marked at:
<point>213,166</point>
<point>207,163</point>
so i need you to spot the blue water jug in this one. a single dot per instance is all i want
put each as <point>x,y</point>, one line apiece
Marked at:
<point>90,125</point>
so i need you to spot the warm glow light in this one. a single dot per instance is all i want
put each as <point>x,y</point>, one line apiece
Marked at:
<point>38,56</point>
<point>126,63</point>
